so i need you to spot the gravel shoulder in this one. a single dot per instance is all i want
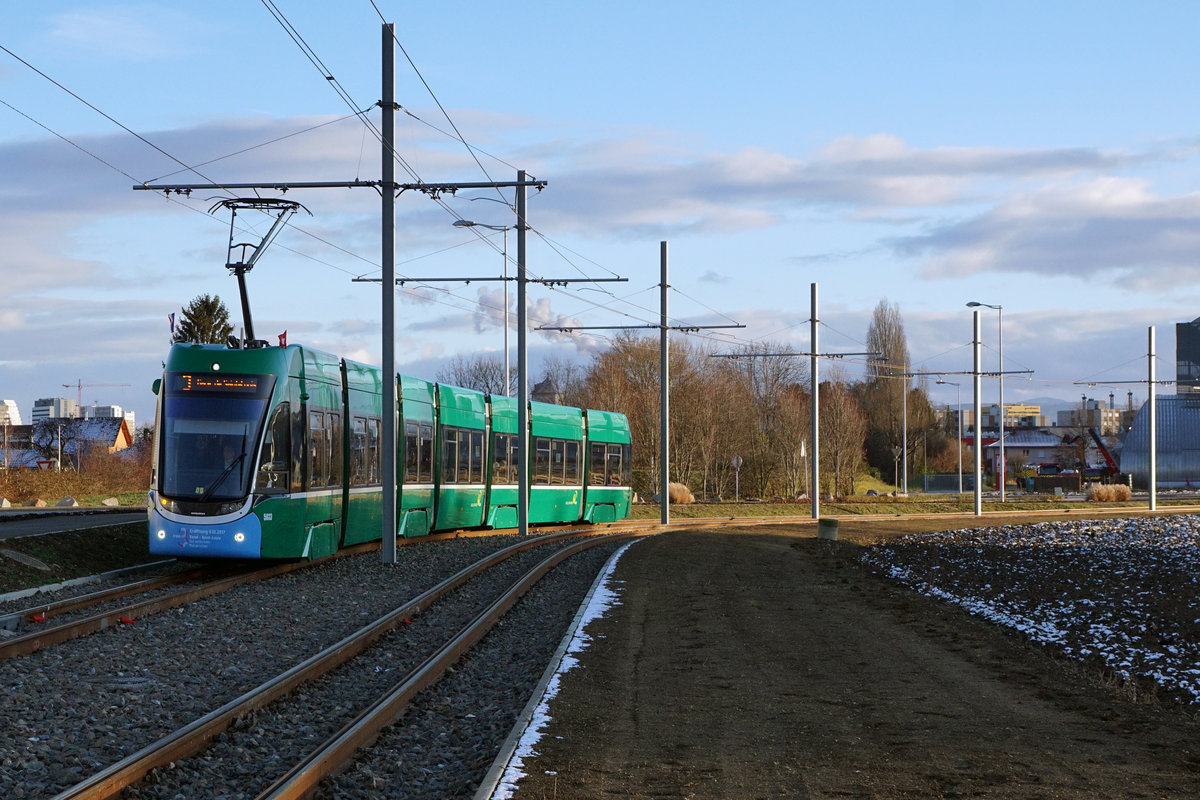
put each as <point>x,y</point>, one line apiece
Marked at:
<point>741,663</point>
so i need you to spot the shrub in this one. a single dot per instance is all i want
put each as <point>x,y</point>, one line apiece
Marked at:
<point>680,494</point>
<point>1109,492</point>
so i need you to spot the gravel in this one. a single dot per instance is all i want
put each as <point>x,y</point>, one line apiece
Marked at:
<point>75,708</point>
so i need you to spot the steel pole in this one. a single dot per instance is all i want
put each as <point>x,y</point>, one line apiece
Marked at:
<point>1153,460</point>
<point>664,391</point>
<point>978,416</point>
<point>388,288</point>
<point>522,368</point>
<point>814,490</point>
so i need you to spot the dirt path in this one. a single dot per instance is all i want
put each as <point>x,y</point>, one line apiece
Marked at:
<point>751,665</point>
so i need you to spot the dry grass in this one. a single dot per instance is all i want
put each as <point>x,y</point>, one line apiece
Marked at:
<point>101,474</point>
<point>1109,493</point>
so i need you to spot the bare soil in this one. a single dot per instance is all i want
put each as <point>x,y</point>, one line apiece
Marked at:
<point>743,663</point>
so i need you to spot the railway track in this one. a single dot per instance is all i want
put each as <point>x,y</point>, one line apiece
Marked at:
<point>351,662</point>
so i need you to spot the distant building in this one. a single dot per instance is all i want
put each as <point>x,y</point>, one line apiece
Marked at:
<point>110,412</point>
<point>53,408</point>
<point>1187,356</point>
<point>1091,414</point>
<point>9,413</point>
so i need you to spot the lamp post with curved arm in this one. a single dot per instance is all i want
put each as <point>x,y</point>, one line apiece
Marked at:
<point>466,223</point>
<point>1002,472</point>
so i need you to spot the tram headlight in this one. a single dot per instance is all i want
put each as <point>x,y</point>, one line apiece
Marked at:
<point>161,534</point>
<point>239,537</point>
<point>229,508</point>
<point>168,505</point>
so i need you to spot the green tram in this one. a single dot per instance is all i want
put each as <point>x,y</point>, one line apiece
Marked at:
<point>276,452</point>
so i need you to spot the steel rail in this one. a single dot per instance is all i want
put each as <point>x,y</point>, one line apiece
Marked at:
<point>58,607</point>
<point>340,748</point>
<point>193,737</point>
<point>35,640</point>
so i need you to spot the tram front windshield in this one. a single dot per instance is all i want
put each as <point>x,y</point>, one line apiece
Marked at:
<point>210,424</point>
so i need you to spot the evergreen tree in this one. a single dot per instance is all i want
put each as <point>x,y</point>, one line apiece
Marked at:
<point>205,320</point>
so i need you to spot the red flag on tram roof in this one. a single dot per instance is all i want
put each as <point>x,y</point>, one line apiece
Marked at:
<point>283,339</point>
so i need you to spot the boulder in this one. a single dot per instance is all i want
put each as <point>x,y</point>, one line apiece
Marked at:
<point>110,502</point>
<point>67,502</point>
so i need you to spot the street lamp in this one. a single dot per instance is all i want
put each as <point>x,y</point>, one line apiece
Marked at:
<point>466,223</point>
<point>1000,379</point>
<point>957,388</point>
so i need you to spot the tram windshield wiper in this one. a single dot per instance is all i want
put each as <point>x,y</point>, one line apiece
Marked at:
<point>221,478</point>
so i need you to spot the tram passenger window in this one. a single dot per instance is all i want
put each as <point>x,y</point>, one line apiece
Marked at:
<point>614,473</point>
<point>426,465</point>
<point>557,461</point>
<point>571,476</point>
<point>476,456</point>
<point>449,455</point>
<point>412,453</point>
<point>627,464</point>
<point>374,461</point>
<point>596,464</point>
<point>337,454</point>
<point>464,456</point>
<point>275,458</point>
<point>318,449</point>
<point>514,460</point>
<point>358,451</point>
<point>541,460</point>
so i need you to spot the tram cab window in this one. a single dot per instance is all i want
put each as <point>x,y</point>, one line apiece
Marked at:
<point>275,459</point>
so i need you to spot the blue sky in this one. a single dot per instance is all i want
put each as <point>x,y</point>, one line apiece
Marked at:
<point>1038,156</point>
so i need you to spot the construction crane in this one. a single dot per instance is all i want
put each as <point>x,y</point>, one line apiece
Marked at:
<point>79,384</point>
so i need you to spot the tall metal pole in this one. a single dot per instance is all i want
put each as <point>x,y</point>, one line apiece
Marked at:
<point>978,416</point>
<point>388,288</point>
<point>1153,462</point>
<point>814,490</point>
<point>522,367</point>
<point>1003,411</point>
<point>904,434</point>
<point>664,392</point>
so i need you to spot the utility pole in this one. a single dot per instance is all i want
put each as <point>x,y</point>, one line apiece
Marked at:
<point>664,393</point>
<point>387,191</point>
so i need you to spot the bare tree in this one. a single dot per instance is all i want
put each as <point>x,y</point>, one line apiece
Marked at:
<point>483,373</point>
<point>843,431</point>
